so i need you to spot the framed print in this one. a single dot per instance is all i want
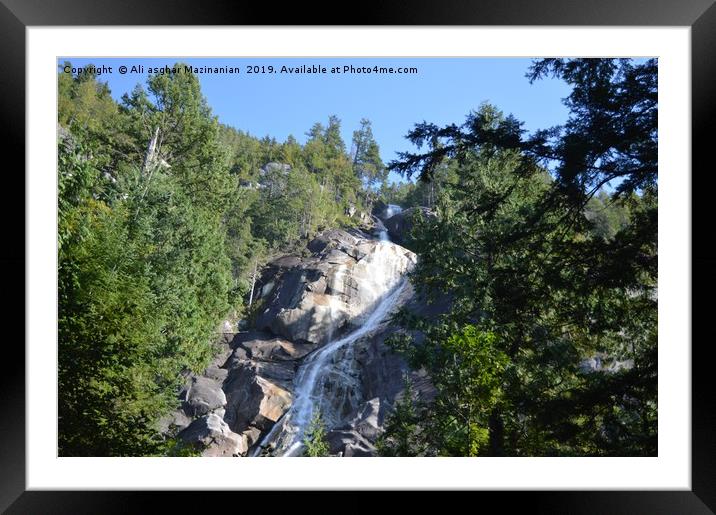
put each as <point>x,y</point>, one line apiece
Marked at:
<point>432,239</point>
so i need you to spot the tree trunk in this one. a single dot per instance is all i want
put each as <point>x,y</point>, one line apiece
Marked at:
<point>150,155</point>
<point>148,167</point>
<point>253,283</point>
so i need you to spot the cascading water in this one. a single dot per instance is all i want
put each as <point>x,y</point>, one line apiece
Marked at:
<point>382,232</point>
<point>392,209</point>
<point>386,265</point>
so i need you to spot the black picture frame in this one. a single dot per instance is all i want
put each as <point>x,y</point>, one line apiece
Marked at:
<point>700,15</point>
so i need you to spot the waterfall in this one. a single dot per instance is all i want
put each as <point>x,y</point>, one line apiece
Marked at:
<point>391,210</point>
<point>333,360</point>
<point>381,230</point>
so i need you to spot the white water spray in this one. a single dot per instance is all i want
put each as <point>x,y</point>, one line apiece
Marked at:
<point>382,232</point>
<point>391,210</point>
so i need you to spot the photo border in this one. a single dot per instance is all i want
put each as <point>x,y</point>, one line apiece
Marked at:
<point>700,15</point>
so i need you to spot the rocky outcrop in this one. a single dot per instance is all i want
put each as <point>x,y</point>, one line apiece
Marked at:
<point>258,393</point>
<point>64,137</point>
<point>315,299</point>
<point>214,436</point>
<point>349,444</point>
<point>204,395</point>
<point>401,224</point>
<point>279,168</point>
<point>379,209</point>
<point>239,396</point>
<point>261,347</point>
<point>305,302</point>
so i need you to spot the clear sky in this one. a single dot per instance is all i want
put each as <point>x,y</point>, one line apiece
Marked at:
<point>443,91</point>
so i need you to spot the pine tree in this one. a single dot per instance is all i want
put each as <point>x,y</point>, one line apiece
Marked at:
<point>522,258</point>
<point>367,164</point>
<point>314,440</point>
<point>144,274</point>
<point>403,426</point>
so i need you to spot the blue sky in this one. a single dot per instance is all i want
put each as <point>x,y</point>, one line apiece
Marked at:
<point>443,91</point>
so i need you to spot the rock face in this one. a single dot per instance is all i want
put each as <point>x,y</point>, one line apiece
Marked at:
<point>239,396</point>
<point>258,393</point>
<point>349,444</point>
<point>204,395</point>
<point>379,209</point>
<point>214,434</point>
<point>314,300</point>
<point>65,137</point>
<point>306,302</point>
<point>400,224</point>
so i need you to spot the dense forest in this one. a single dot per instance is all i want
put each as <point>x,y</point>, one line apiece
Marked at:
<point>544,244</point>
<point>164,217</point>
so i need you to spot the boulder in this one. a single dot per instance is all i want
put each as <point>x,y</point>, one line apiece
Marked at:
<point>252,434</point>
<point>174,422</point>
<point>215,373</point>
<point>215,437</point>
<point>369,421</point>
<point>203,395</point>
<point>223,349</point>
<point>261,346</point>
<point>349,444</point>
<point>253,400</point>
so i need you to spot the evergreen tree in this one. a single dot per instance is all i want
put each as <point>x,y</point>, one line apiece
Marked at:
<point>84,102</point>
<point>166,218</point>
<point>335,146</point>
<point>314,439</point>
<point>516,249</point>
<point>403,426</point>
<point>367,164</point>
<point>144,274</point>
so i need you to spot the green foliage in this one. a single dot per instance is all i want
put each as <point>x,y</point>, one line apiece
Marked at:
<point>608,215</point>
<point>404,426</point>
<point>165,219</point>
<point>246,153</point>
<point>421,193</point>
<point>557,271</point>
<point>176,448</point>
<point>84,102</point>
<point>143,274</point>
<point>314,439</point>
<point>326,158</point>
<point>367,164</point>
<point>293,208</point>
<point>466,367</point>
